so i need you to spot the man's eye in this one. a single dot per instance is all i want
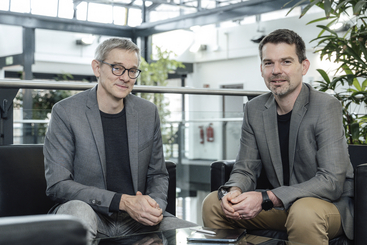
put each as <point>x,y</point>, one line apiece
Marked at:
<point>118,68</point>
<point>134,71</point>
<point>267,63</point>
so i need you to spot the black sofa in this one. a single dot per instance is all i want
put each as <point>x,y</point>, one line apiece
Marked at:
<point>23,185</point>
<point>221,170</point>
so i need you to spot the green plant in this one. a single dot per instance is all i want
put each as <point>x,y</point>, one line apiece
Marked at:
<point>156,74</point>
<point>348,82</point>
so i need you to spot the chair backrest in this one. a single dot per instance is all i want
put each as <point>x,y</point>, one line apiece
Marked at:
<point>22,181</point>
<point>171,196</point>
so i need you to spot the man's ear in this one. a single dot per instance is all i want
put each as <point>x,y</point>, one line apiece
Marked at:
<point>96,66</point>
<point>305,66</point>
<point>261,69</point>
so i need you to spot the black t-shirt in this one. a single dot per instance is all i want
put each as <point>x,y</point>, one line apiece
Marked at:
<point>118,172</point>
<point>283,131</point>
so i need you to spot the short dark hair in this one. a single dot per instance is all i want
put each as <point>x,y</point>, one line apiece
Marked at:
<point>285,36</point>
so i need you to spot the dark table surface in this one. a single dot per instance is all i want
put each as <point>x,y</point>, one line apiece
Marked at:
<point>179,237</point>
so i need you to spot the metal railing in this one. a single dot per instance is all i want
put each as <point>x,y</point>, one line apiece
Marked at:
<point>63,85</point>
<point>9,88</point>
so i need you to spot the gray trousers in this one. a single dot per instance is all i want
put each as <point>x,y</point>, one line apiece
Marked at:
<point>118,224</point>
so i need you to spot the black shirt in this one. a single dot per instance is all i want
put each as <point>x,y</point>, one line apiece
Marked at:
<point>118,172</point>
<point>283,131</point>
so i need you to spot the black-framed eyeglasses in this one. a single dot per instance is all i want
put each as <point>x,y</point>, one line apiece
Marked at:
<point>119,70</point>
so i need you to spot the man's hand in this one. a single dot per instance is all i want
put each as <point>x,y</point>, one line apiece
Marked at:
<point>247,205</point>
<point>241,206</point>
<point>227,205</point>
<point>142,208</point>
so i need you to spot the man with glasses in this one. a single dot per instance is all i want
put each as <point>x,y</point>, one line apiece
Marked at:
<point>103,152</point>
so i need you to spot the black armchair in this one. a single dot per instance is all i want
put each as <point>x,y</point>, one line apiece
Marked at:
<point>221,170</point>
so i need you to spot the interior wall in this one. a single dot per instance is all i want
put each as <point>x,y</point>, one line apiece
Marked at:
<point>55,51</point>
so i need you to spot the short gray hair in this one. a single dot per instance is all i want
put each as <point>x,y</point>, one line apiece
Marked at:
<point>106,46</point>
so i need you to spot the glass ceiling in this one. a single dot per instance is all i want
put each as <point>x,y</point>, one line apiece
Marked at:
<point>118,12</point>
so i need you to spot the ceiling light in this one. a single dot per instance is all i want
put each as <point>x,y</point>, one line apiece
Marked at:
<point>85,40</point>
<point>340,27</point>
<point>196,47</point>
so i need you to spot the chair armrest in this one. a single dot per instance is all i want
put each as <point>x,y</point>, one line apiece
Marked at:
<point>171,195</point>
<point>360,200</point>
<point>219,173</point>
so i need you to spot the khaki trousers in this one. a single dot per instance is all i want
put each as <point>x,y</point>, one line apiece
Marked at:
<point>309,220</point>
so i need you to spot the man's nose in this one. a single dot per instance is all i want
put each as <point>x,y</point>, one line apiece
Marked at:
<point>277,69</point>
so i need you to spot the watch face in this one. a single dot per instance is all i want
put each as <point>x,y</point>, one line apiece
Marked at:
<point>267,205</point>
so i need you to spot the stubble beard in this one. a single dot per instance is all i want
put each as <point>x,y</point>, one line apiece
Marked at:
<point>279,90</point>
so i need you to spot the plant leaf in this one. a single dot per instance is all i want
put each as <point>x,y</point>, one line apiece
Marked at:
<point>327,29</point>
<point>324,75</point>
<point>358,7</point>
<point>327,8</point>
<point>354,129</point>
<point>364,85</point>
<point>294,6</point>
<point>320,19</point>
<point>310,5</point>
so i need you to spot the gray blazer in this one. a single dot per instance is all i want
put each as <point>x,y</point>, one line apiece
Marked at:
<point>74,150</point>
<point>318,152</point>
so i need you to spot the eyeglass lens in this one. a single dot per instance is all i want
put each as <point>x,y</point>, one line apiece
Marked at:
<point>119,70</point>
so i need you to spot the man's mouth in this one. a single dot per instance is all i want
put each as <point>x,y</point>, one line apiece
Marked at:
<point>121,86</point>
<point>278,81</point>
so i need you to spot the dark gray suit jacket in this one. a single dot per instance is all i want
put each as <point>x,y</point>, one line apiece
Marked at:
<point>318,153</point>
<point>74,150</point>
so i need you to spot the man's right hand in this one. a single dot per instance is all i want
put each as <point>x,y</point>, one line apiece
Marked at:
<point>227,204</point>
<point>142,208</point>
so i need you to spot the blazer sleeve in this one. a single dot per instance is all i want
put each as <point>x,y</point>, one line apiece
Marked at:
<point>59,156</point>
<point>157,175</point>
<point>248,163</point>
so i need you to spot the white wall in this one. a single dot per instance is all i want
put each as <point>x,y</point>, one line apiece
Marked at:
<point>10,40</point>
<point>55,51</point>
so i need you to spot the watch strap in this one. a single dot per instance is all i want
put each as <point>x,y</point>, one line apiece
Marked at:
<point>267,204</point>
<point>265,196</point>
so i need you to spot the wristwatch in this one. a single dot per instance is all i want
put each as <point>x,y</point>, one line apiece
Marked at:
<point>267,204</point>
<point>222,192</point>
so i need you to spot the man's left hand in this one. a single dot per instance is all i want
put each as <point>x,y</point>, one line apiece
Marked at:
<point>142,208</point>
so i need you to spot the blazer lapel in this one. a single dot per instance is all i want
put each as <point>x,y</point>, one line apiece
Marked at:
<point>298,112</point>
<point>94,118</point>
<point>272,138</point>
<point>133,139</point>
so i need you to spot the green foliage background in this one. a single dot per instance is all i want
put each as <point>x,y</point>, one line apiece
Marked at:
<point>156,74</point>
<point>348,50</point>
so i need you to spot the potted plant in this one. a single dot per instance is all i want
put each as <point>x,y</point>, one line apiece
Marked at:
<point>156,74</point>
<point>347,49</point>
